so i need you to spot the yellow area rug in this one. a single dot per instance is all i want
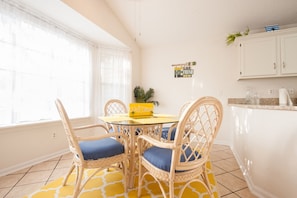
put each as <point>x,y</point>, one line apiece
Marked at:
<point>110,184</point>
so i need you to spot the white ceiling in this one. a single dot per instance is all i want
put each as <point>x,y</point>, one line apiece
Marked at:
<point>56,10</point>
<point>163,22</point>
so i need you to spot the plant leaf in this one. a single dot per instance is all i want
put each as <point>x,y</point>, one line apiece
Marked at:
<point>246,32</point>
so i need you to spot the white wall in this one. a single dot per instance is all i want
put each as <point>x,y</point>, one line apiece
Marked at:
<point>215,75</point>
<point>25,145</point>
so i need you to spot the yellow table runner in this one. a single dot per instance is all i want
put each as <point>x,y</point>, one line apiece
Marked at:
<point>156,118</point>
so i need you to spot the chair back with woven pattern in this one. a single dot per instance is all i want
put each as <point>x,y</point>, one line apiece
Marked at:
<point>72,142</point>
<point>196,131</point>
<point>114,106</point>
<point>184,159</point>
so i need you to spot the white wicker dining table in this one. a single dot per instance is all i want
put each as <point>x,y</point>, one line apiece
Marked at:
<point>133,127</point>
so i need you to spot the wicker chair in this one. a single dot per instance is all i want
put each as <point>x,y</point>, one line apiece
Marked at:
<point>168,133</point>
<point>96,152</point>
<point>184,159</point>
<point>114,106</point>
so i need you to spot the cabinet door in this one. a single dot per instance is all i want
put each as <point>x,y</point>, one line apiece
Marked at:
<point>289,54</point>
<point>258,57</point>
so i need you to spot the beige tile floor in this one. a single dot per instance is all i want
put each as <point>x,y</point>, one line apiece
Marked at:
<point>231,183</point>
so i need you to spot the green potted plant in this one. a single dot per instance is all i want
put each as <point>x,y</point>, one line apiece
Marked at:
<point>231,37</point>
<point>142,96</point>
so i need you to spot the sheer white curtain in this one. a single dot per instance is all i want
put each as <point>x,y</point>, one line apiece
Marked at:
<point>40,62</point>
<point>115,75</point>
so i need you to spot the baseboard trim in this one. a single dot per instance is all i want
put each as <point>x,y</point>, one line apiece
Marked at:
<point>32,162</point>
<point>257,191</point>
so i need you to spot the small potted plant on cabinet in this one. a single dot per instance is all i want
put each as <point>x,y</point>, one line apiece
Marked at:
<point>231,37</point>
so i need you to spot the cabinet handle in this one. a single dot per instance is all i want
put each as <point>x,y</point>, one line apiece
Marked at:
<point>274,66</point>
<point>284,65</point>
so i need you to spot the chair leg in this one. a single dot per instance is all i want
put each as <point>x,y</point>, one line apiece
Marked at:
<point>125,170</point>
<point>206,181</point>
<point>68,174</point>
<point>171,189</point>
<point>139,180</point>
<point>77,188</point>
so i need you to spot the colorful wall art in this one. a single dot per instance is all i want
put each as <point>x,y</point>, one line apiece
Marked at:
<point>184,70</point>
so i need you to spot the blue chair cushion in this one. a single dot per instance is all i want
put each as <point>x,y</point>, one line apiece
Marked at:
<point>96,149</point>
<point>161,157</point>
<point>165,133</point>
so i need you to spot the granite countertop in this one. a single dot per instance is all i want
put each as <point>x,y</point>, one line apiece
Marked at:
<point>264,103</point>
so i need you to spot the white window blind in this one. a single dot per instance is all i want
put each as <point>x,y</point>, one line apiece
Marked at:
<point>40,62</point>
<point>115,70</point>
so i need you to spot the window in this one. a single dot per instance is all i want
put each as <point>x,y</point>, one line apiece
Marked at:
<point>115,69</point>
<point>40,62</point>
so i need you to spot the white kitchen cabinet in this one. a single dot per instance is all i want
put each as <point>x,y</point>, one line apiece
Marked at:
<point>268,54</point>
<point>289,54</point>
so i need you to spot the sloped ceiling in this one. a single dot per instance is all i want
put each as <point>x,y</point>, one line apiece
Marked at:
<point>60,12</point>
<point>163,22</point>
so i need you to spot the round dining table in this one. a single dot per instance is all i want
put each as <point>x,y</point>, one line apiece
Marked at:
<point>132,127</point>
